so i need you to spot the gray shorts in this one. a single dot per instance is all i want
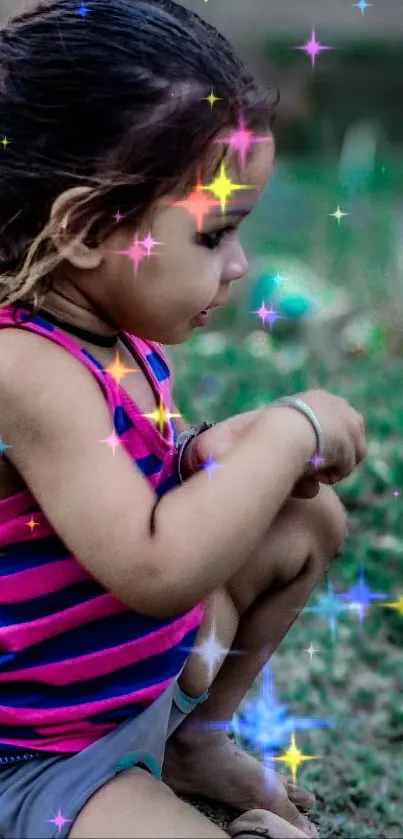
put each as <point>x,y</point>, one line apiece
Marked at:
<point>42,798</point>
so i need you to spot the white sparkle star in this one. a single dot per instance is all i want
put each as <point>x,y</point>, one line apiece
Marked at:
<point>311,650</point>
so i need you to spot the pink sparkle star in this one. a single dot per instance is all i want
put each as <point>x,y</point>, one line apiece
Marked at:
<point>241,140</point>
<point>135,252</point>
<point>59,820</point>
<point>396,493</point>
<point>267,314</point>
<point>149,243</point>
<point>117,217</point>
<point>112,441</point>
<point>313,48</point>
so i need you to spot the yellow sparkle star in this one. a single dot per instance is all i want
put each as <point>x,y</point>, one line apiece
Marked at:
<point>160,416</point>
<point>338,214</point>
<point>293,757</point>
<point>5,143</point>
<point>32,524</point>
<point>397,604</point>
<point>211,99</point>
<point>223,186</point>
<point>118,370</point>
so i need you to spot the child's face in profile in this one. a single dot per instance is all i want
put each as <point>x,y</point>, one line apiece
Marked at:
<point>186,272</point>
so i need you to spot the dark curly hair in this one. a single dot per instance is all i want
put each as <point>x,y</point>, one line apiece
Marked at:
<point>110,97</point>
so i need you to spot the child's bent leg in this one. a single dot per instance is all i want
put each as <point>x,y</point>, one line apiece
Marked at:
<point>135,805</point>
<point>268,591</point>
<point>284,569</point>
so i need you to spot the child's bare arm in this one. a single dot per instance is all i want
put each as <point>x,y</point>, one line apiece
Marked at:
<point>157,558</point>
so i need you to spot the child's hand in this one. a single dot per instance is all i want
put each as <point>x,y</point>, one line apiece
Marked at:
<point>217,441</point>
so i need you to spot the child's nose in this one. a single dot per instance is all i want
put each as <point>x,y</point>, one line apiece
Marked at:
<point>236,269</point>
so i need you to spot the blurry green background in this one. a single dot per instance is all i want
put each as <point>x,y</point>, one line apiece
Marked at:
<point>339,136</point>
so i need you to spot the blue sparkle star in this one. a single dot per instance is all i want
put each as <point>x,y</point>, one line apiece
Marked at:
<point>360,597</point>
<point>83,11</point>
<point>329,606</point>
<point>3,447</point>
<point>210,465</point>
<point>362,5</point>
<point>265,724</point>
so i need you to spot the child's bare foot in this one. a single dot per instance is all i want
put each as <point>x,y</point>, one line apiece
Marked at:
<point>210,764</point>
<point>264,824</point>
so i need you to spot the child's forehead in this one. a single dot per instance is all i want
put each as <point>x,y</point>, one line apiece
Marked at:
<point>258,166</point>
<point>254,175</point>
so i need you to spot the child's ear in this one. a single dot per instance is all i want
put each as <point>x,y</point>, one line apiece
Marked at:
<point>75,252</point>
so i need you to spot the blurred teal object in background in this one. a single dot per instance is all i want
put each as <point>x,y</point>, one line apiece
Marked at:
<point>289,300</point>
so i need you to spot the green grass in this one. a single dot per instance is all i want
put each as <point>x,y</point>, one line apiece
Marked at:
<point>357,682</point>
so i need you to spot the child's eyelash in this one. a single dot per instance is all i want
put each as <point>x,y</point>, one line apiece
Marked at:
<point>212,240</point>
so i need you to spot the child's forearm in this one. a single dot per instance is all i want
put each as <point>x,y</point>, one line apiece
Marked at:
<point>204,529</point>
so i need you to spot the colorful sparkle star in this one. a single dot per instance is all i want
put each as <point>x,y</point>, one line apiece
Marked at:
<point>242,140</point>
<point>160,416</point>
<point>338,214</point>
<point>5,143</point>
<point>198,204</point>
<point>211,99</point>
<point>118,370</point>
<point>112,441</point>
<point>329,607</point>
<point>311,650</point>
<point>267,315</point>
<point>396,493</point>
<point>397,604</point>
<point>135,252</point>
<point>313,48</point>
<point>317,461</point>
<point>149,243</point>
<point>360,597</point>
<point>59,820</point>
<point>3,447</point>
<point>362,5</point>
<point>278,279</point>
<point>32,524</point>
<point>293,757</point>
<point>118,217</point>
<point>210,465</point>
<point>211,651</point>
<point>222,187</point>
<point>83,11</point>
<point>265,725</point>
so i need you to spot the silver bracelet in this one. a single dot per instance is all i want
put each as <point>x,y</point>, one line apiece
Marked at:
<point>290,402</point>
<point>185,437</point>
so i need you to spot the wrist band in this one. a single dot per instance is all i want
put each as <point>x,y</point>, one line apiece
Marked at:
<point>185,437</point>
<point>290,402</point>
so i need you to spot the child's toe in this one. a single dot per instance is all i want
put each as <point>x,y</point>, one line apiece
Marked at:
<point>301,797</point>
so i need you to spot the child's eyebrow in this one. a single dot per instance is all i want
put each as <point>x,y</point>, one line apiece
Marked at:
<point>231,211</point>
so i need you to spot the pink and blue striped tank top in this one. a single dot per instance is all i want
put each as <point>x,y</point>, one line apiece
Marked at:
<point>74,661</point>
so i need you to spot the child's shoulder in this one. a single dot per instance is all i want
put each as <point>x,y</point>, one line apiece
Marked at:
<point>35,374</point>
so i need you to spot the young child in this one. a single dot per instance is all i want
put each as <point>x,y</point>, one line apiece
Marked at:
<point>119,554</point>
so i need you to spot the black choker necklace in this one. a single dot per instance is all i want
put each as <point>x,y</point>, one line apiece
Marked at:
<point>93,338</point>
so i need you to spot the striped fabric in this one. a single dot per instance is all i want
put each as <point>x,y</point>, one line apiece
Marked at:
<point>74,661</point>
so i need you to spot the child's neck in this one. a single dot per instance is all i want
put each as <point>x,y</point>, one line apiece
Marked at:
<point>71,307</point>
